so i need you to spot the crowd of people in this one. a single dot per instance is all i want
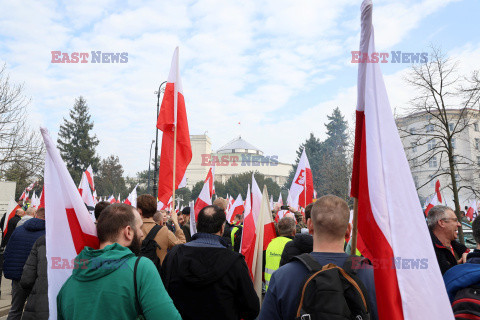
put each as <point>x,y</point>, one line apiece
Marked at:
<point>149,264</point>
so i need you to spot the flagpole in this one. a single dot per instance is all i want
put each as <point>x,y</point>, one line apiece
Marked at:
<point>174,164</point>
<point>353,250</point>
<point>175,115</point>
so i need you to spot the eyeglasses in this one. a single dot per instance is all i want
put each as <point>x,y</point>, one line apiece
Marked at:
<point>453,219</point>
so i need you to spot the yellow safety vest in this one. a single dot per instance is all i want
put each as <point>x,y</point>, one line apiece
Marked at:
<point>273,256</point>
<point>232,235</point>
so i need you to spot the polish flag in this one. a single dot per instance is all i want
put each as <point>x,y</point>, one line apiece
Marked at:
<point>31,186</point>
<point>261,237</point>
<point>390,219</point>
<point>11,210</point>
<point>132,197</point>
<point>437,191</point>
<point>236,208</point>
<point>118,199</point>
<point>433,202</point>
<point>23,196</point>
<point>203,200</point>
<point>85,192</point>
<point>89,177</point>
<point>471,210</point>
<point>111,199</point>
<point>280,200</point>
<point>210,180</point>
<point>173,114</point>
<point>69,227</point>
<point>42,199</point>
<point>247,246</point>
<point>35,200</point>
<point>301,190</point>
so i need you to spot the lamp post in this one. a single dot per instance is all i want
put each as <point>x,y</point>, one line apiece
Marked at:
<point>156,141</point>
<point>149,162</point>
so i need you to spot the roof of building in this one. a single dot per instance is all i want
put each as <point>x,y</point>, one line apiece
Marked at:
<point>237,143</point>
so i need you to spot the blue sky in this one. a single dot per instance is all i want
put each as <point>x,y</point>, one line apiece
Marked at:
<point>278,67</point>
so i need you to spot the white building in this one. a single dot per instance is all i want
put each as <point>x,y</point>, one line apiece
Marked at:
<point>236,157</point>
<point>422,148</point>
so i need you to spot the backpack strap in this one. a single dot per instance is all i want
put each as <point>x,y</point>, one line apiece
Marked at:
<point>311,264</point>
<point>137,302</point>
<point>153,233</point>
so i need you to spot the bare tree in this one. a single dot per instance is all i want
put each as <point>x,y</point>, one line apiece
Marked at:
<point>448,104</point>
<point>21,149</point>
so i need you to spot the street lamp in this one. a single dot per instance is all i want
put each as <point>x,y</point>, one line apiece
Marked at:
<point>149,162</point>
<point>160,89</point>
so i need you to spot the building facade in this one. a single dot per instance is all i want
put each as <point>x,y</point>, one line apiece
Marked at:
<point>235,157</point>
<point>423,139</point>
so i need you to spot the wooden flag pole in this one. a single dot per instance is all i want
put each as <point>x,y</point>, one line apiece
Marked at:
<point>353,250</point>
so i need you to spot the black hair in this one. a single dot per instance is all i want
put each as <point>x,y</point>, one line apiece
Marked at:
<point>211,219</point>
<point>99,208</point>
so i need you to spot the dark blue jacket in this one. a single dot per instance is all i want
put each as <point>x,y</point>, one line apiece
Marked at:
<point>19,247</point>
<point>463,275</point>
<point>284,291</point>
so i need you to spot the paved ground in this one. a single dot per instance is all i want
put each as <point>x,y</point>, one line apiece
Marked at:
<point>5,298</point>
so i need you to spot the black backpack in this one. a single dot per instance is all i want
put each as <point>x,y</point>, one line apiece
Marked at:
<point>467,303</point>
<point>149,247</point>
<point>331,292</point>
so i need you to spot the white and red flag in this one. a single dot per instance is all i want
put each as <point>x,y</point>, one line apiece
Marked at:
<point>42,198</point>
<point>69,227</point>
<point>210,179</point>
<point>236,208</point>
<point>471,210</point>
<point>31,186</point>
<point>111,199</point>
<point>35,200</point>
<point>173,115</point>
<point>432,203</point>
<point>89,177</point>
<point>12,208</point>
<point>390,219</point>
<point>23,196</point>
<point>132,197</point>
<point>85,192</point>
<point>247,246</point>
<point>301,190</point>
<point>203,200</point>
<point>437,191</point>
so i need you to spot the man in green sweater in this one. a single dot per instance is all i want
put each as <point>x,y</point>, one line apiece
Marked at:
<point>102,284</point>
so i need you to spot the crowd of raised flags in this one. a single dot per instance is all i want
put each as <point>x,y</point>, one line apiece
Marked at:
<point>388,217</point>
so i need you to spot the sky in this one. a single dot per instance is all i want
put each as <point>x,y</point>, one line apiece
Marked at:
<point>276,67</point>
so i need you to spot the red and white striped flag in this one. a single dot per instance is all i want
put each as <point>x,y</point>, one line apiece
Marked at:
<point>69,227</point>
<point>432,203</point>
<point>301,190</point>
<point>111,199</point>
<point>471,210</point>
<point>210,179</point>
<point>31,186</point>
<point>89,177</point>
<point>203,200</point>
<point>85,192</point>
<point>236,208</point>
<point>132,197</point>
<point>173,114</point>
<point>247,246</point>
<point>390,219</point>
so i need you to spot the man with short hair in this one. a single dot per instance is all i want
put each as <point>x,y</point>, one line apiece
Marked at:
<point>273,254</point>
<point>443,225</point>
<point>205,279</point>
<point>15,256</point>
<point>29,214</point>
<point>166,239</point>
<point>103,287</point>
<point>99,208</point>
<point>302,243</point>
<point>328,225</point>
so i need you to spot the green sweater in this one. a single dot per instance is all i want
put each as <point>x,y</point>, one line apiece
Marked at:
<point>102,287</point>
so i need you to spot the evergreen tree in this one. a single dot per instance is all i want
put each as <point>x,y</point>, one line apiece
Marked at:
<point>334,173</point>
<point>110,180</point>
<point>76,144</point>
